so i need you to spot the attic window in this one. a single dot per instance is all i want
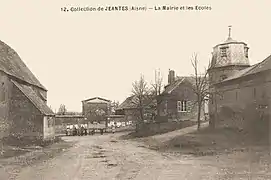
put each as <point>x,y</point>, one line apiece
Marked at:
<point>246,52</point>
<point>223,51</point>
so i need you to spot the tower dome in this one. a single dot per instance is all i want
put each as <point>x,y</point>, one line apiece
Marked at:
<point>230,53</point>
<point>228,58</point>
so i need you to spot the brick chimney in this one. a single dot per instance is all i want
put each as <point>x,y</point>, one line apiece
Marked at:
<point>171,76</point>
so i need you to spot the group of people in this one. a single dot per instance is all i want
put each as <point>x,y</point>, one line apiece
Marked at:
<point>75,130</point>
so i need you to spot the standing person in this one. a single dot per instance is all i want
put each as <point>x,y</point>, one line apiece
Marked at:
<point>67,130</point>
<point>113,128</point>
<point>82,129</point>
<point>85,129</point>
<point>93,131</point>
<point>73,130</point>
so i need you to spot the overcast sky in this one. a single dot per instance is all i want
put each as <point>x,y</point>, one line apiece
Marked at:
<point>86,54</point>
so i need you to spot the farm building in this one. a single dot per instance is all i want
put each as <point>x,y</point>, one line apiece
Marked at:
<point>23,100</point>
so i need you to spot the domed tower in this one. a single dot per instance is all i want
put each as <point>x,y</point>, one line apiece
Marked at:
<point>228,58</point>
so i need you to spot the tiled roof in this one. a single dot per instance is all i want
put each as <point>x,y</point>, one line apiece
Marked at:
<point>127,103</point>
<point>239,73</point>
<point>33,97</point>
<point>229,41</point>
<point>130,102</point>
<point>169,88</point>
<point>260,67</point>
<point>11,64</point>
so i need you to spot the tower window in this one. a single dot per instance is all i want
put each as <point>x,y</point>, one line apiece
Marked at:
<point>246,52</point>
<point>224,52</point>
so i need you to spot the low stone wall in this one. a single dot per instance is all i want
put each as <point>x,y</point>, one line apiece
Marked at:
<point>149,129</point>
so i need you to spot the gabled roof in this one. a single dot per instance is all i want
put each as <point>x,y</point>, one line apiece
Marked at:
<point>127,103</point>
<point>131,103</point>
<point>260,67</point>
<point>171,87</point>
<point>34,98</point>
<point>11,64</point>
<point>96,100</point>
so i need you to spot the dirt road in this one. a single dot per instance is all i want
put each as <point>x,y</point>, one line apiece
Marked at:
<point>106,157</point>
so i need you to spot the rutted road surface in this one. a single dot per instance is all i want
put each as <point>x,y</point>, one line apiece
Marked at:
<point>106,157</point>
<point>103,157</point>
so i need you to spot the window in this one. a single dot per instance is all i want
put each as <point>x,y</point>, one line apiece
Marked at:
<point>179,106</point>
<point>246,52</point>
<point>182,106</point>
<point>236,96</point>
<point>224,52</point>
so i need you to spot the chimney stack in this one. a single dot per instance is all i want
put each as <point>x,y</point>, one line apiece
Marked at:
<point>171,76</point>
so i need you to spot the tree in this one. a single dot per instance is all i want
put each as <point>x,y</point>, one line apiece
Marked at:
<point>142,95</point>
<point>62,109</point>
<point>200,87</point>
<point>158,83</point>
<point>114,106</point>
<point>96,113</point>
<point>157,87</point>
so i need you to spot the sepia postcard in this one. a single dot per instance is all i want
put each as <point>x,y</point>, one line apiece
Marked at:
<point>135,90</point>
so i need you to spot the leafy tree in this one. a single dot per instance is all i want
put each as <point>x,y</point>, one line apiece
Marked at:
<point>62,110</point>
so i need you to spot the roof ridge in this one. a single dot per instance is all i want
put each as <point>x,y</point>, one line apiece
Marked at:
<point>12,65</point>
<point>258,64</point>
<point>20,87</point>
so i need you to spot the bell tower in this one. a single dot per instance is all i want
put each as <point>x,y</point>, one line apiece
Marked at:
<point>228,58</point>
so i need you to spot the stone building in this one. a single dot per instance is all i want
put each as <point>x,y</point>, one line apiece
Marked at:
<point>96,109</point>
<point>239,92</point>
<point>23,109</point>
<point>178,100</point>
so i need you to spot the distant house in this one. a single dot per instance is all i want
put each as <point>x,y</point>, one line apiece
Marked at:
<point>131,111</point>
<point>95,109</point>
<point>178,100</point>
<point>23,109</point>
